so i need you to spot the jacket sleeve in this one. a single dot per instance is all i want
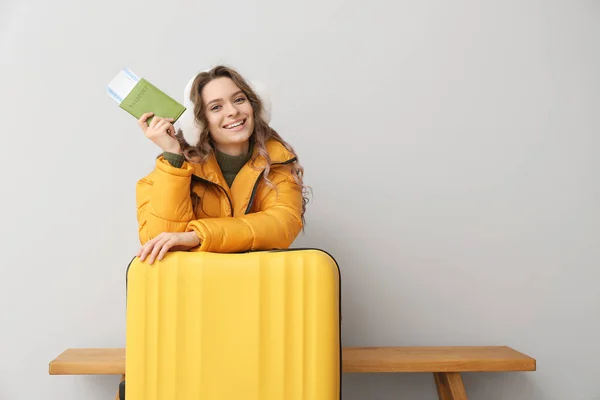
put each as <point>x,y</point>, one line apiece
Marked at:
<point>275,226</point>
<point>163,200</point>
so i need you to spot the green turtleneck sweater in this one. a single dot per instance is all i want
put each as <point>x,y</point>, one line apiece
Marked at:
<point>230,165</point>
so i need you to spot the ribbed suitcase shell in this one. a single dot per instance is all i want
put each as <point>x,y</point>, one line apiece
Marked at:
<point>248,326</point>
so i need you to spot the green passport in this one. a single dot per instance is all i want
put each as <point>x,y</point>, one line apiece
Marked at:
<point>138,96</point>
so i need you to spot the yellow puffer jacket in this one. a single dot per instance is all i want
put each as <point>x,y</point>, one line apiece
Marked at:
<point>248,216</point>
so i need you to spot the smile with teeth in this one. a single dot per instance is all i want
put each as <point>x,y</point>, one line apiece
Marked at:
<point>235,124</point>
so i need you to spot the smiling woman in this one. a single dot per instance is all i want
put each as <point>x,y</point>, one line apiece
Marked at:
<point>230,128</point>
<point>226,183</point>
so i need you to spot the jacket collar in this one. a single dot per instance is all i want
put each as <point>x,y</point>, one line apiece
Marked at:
<point>241,191</point>
<point>210,171</point>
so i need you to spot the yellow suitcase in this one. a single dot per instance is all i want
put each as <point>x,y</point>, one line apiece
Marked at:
<point>247,326</point>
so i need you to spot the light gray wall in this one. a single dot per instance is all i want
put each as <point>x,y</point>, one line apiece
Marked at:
<point>451,147</point>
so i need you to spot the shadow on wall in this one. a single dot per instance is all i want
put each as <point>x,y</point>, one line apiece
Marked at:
<point>362,303</point>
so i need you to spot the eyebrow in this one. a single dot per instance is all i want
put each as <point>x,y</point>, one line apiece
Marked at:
<point>216,100</point>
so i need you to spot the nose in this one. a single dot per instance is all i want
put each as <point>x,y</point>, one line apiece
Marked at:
<point>231,110</point>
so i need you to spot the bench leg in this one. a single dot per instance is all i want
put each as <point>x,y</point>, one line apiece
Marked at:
<point>450,386</point>
<point>122,379</point>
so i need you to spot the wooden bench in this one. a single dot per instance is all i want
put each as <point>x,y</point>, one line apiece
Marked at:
<point>446,363</point>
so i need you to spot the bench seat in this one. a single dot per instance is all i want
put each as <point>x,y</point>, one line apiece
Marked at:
<point>445,362</point>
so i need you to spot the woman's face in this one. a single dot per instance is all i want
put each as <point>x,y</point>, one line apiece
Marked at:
<point>229,114</point>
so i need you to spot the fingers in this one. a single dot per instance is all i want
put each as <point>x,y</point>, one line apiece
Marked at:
<point>165,248</point>
<point>145,249</point>
<point>157,126</point>
<point>155,121</point>
<point>161,125</point>
<point>170,129</point>
<point>145,117</point>
<point>142,121</point>
<point>166,126</point>
<point>141,253</point>
<point>148,246</point>
<point>157,248</point>
<point>160,120</point>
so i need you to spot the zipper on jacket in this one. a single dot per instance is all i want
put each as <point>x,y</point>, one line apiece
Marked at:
<point>219,186</point>
<point>253,195</point>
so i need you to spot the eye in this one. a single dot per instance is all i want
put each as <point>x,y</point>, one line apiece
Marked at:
<point>240,99</point>
<point>215,107</point>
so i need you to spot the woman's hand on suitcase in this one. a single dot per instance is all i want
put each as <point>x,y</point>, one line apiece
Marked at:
<point>157,248</point>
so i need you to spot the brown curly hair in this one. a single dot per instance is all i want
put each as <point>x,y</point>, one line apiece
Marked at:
<point>260,136</point>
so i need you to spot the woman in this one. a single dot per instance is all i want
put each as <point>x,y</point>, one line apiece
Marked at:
<point>234,186</point>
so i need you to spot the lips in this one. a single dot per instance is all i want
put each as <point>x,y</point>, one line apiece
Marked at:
<point>235,124</point>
